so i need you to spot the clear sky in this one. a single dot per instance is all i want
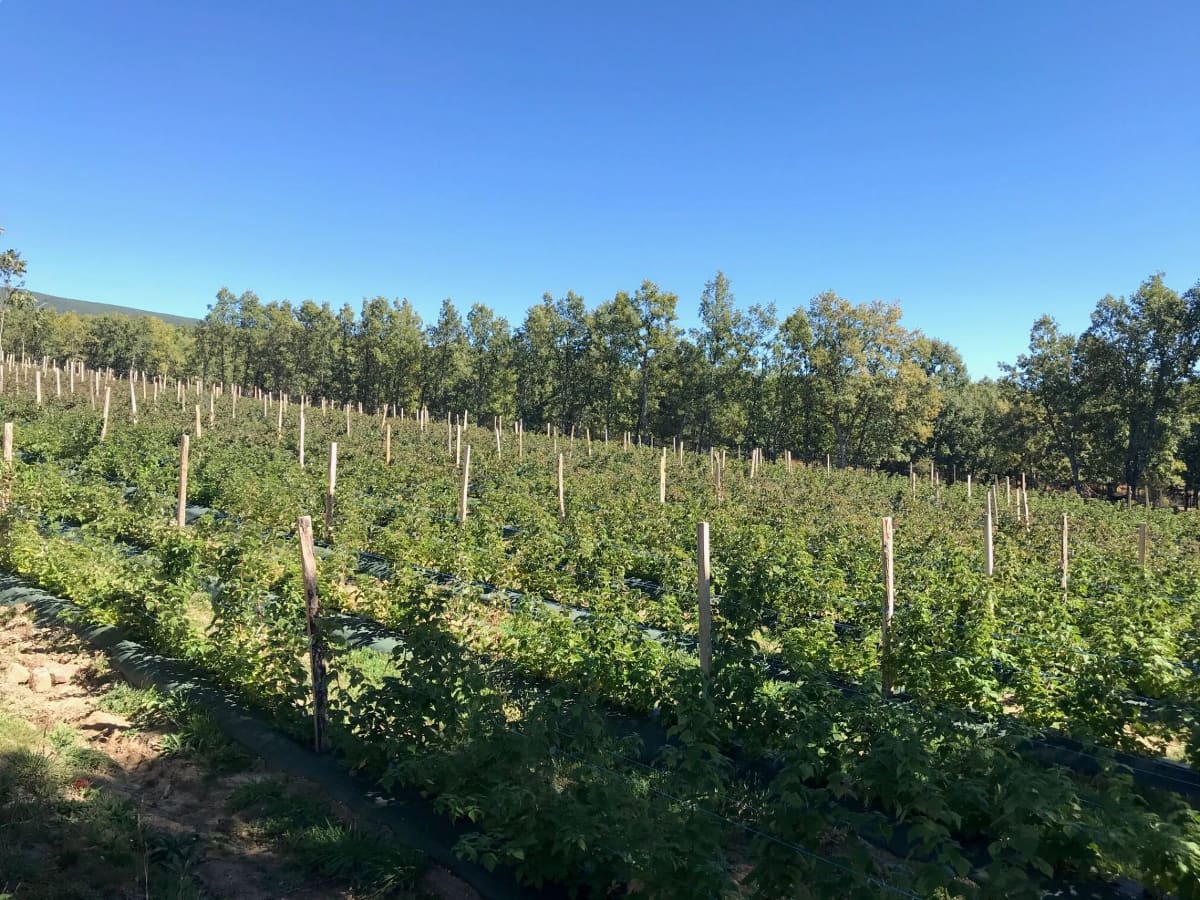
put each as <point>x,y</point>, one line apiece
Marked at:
<point>979,163</point>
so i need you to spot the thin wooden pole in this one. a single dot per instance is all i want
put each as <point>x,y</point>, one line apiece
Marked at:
<point>181,509</point>
<point>1065,555</point>
<point>387,444</point>
<point>989,559</point>
<point>968,487</point>
<point>562,505</point>
<point>37,387</point>
<point>302,437</point>
<point>1143,542</point>
<point>466,479</point>
<point>104,420</point>
<point>662,478</point>
<point>316,648</point>
<point>889,605</point>
<point>8,442</point>
<point>199,431</point>
<point>703,595</point>
<point>132,401</point>
<point>329,491</point>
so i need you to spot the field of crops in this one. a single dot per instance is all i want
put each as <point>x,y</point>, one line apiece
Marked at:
<point>535,671</point>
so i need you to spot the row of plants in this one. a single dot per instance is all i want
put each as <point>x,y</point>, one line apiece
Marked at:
<point>796,559</point>
<point>551,789</point>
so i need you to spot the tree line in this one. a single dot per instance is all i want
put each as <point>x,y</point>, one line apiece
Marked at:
<point>1115,405</point>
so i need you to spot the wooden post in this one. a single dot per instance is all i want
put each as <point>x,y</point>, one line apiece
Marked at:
<point>1024,505</point>
<point>37,386</point>
<point>1007,493</point>
<point>302,438</point>
<point>212,409</point>
<point>662,478</point>
<point>457,445</point>
<point>466,478</point>
<point>562,504</point>
<point>387,444</point>
<point>316,649</point>
<point>329,491</point>
<point>1143,542</point>
<point>497,442</point>
<point>347,419</point>
<point>1064,558</point>
<point>703,588</point>
<point>104,421</point>
<point>57,383</point>
<point>199,431</point>
<point>989,559</point>
<point>181,509</point>
<point>133,401</point>
<point>279,421</point>
<point>889,606</point>
<point>8,442</point>
<point>968,487</point>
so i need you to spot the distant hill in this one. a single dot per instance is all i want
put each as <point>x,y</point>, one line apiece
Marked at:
<point>90,308</point>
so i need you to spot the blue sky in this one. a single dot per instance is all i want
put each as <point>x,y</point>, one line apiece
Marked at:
<point>980,164</point>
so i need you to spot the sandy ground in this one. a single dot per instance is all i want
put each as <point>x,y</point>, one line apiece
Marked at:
<point>174,796</point>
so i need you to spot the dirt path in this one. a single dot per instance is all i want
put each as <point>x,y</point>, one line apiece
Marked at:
<point>199,845</point>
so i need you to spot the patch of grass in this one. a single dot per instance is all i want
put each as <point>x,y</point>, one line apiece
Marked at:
<point>64,835</point>
<point>306,832</point>
<point>188,732</point>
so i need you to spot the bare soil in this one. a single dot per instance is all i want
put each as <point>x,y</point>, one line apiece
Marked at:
<point>174,796</point>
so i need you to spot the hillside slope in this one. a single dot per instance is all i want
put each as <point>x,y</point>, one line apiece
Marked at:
<point>91,308</point>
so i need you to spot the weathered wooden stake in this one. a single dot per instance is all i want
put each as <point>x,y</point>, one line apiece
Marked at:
<point>662,478</point>
<point>703,596</point>
<point>968,487</point>
<point>989,559</point>
<point>1143,542</point>
<point>1065,555</point>
<point>466,479</point>
<point>562,504</point>
<point>301,437</point>
<point>387,444</point>
<point>8,442</point>
<point>181,509</point>
<point>889,606</point>
<point>104,421</point>
<point>37,385</point>
<point>329,491</point>
<point>316,648</point>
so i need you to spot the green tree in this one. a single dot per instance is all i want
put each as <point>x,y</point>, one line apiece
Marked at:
<point>12,286</point>
<point>1139,354</point>
<point>1053,374</point>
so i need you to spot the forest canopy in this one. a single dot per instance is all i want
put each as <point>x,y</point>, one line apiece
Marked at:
<point>1116,404</point>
